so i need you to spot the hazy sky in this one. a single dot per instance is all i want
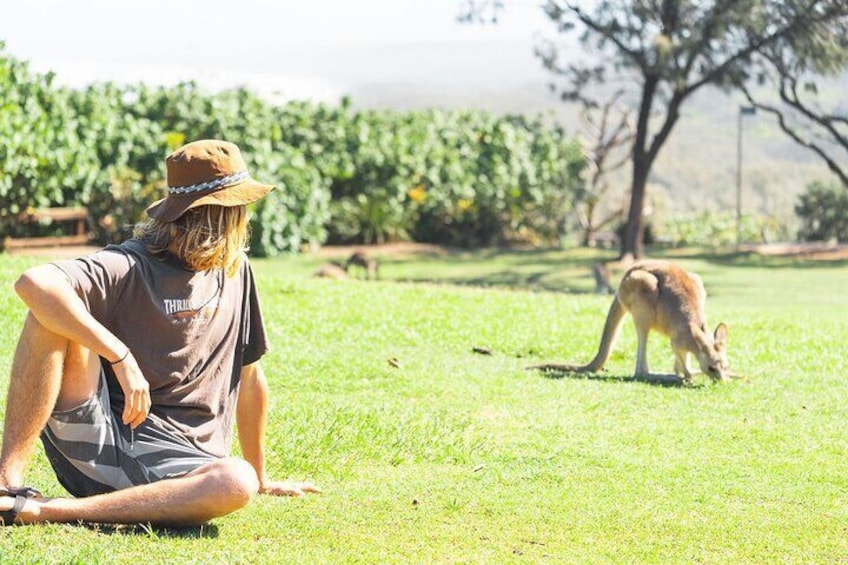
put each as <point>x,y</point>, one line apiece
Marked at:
<point>320,46</point>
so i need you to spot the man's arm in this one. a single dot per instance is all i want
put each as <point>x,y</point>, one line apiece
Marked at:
<point>55,304</point>
<point>48,294</point>
<point>251,417</point>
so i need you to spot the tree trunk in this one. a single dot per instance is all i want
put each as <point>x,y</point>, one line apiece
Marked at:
<point>632,243</point>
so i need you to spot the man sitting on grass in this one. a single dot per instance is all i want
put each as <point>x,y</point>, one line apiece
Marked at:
<point>135,361</point>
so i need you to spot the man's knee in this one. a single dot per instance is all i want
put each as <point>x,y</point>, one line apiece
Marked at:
<point>234,479</point>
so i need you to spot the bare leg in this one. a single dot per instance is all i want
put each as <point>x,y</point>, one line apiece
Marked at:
<point>47,371</point>
<point>212,490</point>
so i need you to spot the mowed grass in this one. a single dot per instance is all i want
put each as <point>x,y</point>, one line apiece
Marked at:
<point>430,453</point>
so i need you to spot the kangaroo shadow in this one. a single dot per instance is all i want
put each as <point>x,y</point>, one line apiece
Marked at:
<point>661,380</point>
<point>205,531</point>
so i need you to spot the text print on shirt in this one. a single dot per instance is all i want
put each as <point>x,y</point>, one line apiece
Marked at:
<point>203,308</point>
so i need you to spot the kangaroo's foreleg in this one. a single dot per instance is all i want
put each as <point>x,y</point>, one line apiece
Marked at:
<point>681,364</point>
<point>642,331</point>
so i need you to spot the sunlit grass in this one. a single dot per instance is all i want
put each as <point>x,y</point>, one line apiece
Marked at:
<point>446,455</point>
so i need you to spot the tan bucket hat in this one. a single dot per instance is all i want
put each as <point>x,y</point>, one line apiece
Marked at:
<point>209,171</point>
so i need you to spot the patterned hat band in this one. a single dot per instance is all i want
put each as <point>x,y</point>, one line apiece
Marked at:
<point>209,185</point>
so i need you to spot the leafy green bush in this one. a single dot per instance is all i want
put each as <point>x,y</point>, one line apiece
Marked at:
<point>823,210</point>
<point>126,149</point>
<point>718,229</point>
<point>455,177</point>
<point>488,180</point>
<point>296,213</point>
<point>370,201</point>
<point>42,159</point>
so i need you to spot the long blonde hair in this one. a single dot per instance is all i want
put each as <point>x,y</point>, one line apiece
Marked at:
<point>204,238</point>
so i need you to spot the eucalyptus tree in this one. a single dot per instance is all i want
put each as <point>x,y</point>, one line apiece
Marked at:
<point>661,52</point>
<point>664,51</point>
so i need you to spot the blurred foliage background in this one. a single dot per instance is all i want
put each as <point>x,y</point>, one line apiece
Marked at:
<point>465,178</point>
<point>458,177</point>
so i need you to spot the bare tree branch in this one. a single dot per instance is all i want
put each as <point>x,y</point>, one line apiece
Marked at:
<point>793,133</point>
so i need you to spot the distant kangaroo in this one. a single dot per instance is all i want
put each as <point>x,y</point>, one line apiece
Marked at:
<point>331,270</point>
<point>661,296</point>
<point>366,263</point>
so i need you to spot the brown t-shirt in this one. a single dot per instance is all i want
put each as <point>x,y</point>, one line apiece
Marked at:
<point>191,333</point>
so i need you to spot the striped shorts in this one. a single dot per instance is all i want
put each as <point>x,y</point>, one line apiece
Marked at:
<point>93,452</point>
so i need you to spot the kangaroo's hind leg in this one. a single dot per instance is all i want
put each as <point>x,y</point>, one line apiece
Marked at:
<point>639,293</point>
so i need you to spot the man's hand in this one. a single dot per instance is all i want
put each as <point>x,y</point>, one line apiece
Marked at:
<point>251,420</point>
<point>287,488</point>
<point>136,391</point>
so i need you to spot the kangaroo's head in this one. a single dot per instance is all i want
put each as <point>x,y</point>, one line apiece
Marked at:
<point>712,352</point>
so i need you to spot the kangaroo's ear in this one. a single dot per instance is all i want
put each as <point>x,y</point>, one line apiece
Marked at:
<point>721,336</point>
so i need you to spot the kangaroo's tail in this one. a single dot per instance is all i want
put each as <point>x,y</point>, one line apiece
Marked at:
<point>611,328</point>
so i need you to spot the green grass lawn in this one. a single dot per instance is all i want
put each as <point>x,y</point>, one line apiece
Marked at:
<point>458,457</point>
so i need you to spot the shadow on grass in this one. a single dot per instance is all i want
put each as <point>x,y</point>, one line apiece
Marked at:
<point>660,380</point>
<point>205,531</point>
<point>547,269</point>
<point>753,259</point>
<point>569,271</point>
<point>505,280</point>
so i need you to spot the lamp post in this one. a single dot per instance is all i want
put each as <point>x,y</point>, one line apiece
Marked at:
<point>743,111</point>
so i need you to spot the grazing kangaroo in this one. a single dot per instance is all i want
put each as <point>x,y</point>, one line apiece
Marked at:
<point>331,271</point>
<point>364,262</point>
<point>661,296</point>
